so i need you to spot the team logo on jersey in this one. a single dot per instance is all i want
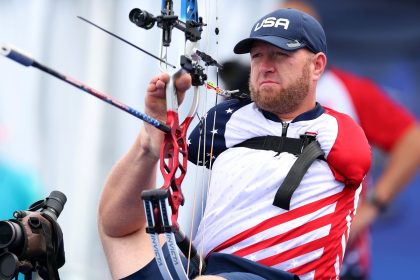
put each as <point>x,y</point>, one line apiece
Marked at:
<point>272,22</point>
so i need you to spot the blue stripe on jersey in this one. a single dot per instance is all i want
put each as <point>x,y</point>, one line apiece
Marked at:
<point>216,127</point>
<point>309,115</point>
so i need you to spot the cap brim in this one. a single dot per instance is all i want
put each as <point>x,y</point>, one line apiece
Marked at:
<point>245,45</point>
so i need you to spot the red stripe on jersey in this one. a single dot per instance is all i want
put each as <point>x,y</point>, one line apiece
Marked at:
<point>277,220</point>
<point>339,228</point>
<point>295,252</point>
<point>311,266</point>
<point>291,234</point>
<point>331,244</point>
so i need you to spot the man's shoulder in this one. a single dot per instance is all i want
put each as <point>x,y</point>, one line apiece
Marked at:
<point>336,114</point>
<point>349,154</point>
<point>345,123</point>
<point>233,104</point>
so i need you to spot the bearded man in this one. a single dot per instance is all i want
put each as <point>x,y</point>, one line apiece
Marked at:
<point>273,211</point>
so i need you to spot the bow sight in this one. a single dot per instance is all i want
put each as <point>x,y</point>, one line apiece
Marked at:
<point>33,240</point>
<point>167,21</point>
<point>192,28</point>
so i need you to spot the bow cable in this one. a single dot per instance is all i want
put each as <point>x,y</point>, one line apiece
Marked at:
<point>209,154</point>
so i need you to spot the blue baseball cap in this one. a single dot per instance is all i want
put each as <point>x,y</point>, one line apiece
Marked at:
<point>288,29</point>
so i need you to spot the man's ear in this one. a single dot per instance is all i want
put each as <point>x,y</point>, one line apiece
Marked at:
<point>320,62</point>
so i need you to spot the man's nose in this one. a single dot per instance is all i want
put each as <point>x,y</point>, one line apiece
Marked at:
<point>267,64</point>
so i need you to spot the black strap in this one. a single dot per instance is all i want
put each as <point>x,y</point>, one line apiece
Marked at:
<point>306,148</point>
<point>284,194</point>
<point>275,143</point>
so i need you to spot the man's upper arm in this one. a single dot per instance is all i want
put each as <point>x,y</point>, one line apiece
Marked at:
<point>350,155</point>
<point>127,254</point>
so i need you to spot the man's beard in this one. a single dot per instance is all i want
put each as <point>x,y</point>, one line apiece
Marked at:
<point>286,100</point>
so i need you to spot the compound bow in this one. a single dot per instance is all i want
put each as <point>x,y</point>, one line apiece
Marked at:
<point>173,156</point>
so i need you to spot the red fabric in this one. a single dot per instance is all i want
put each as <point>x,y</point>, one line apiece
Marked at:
<point>382,120</point>
<point>331,244</point>
<point>350,157</point>
<point>282,218</point>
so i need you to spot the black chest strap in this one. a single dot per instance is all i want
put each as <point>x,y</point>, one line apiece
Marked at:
<point>306,148</point>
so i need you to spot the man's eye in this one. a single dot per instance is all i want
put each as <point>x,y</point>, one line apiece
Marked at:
<point>279,54</point>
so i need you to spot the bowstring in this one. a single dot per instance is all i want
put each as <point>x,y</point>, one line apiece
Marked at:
<point>200,162</point>
<point>206,179</point>
<point>201,170</point>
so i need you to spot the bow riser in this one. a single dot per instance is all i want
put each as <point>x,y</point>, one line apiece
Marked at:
<point>174,162</point>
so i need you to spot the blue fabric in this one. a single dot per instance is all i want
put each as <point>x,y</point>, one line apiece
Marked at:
<point>227,266</point>
<point>151,270</point>
<point>217,118</point>
<point>288,29</point>
<point>233,267</point>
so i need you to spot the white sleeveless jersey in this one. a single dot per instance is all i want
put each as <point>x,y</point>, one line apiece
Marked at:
<point>310,238</point>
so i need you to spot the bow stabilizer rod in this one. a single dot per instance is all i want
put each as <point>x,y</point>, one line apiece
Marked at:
<point>125,41</point>
<point>27,60</point>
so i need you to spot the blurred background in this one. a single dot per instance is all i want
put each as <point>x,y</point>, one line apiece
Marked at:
<point>56,137</point>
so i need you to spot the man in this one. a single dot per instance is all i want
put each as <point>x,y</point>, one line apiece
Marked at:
<point>370,106</point>
<point>266,231</point>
